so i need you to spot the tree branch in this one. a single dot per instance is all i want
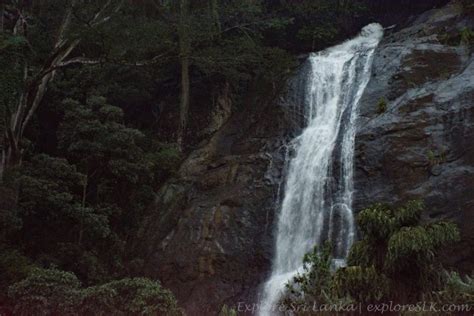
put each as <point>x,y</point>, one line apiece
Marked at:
<point>98,19</point>
<point>242,26</point>
<point>64,25</point>
<point>79,60</point>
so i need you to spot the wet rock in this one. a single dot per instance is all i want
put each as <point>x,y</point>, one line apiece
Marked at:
<point>421,146</point>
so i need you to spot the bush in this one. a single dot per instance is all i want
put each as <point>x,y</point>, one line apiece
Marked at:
<point>51,291</point>
<point>354,282</point>
<point>381,105</point>
<point>468,6</point>
<point>315,284</point>
<point>14,267</point>
<point>396,259</point>
<point>467,36</point>
<point>401,248</point>
<point>46,291</point>
<point>130,297</point>
<point>457,290</point>
<point>227,311</point>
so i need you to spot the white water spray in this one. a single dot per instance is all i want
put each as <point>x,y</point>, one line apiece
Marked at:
<point>317,200</point>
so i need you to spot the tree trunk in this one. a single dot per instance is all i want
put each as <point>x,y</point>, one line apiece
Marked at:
<point>2,165</point>
<point>27,106</point>
<point>184,47</point>
<point>2,13</point>
<point>184,101</point>
<point>37,86</point>
<point>83,206</point>
<point>214,10</point>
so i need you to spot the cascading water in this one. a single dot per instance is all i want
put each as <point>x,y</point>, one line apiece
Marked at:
<point>317,200</point>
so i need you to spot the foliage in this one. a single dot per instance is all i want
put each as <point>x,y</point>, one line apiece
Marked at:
<point>315,23</point>
<point>10,222</point>
<point>354,281</point>
<point>227,311</point>
<point>403,250</point>
<point>46,291</point>
<point>436,157</point>
<point>164,159</point>
<point>228,43</point>
<point>456,290</point>
<point>51,291</point>
<point>468,6</point>
<point>52,211</point>
<point>457,37</point>
<point>396,259</point>
<point>467,36</point>
<point>315,283</point>
<point>315,279</point>
<point>50,193</point>
<point>94,137</point>
<point>13,50</point>
<point>382,105</point>
<point>14,266</point>
<point>129,297</point>
<point>122,167</point>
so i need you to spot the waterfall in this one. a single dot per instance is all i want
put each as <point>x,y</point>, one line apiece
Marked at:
<point>317,199</point>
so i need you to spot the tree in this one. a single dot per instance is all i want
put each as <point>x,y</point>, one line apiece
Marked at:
<point>220,45</point>
<point>456,290</point>
<point>129,296</point>
<point>317,23</point>
<point>51,194</point>
<point>400,249</point>
<point>396,259</point>
<point>56,292</point>
<point>12,49</point>
<point>314,284</point>
<point>78,211</point>
<point>46,292</point>
<point>57,226</point>
<point>36,79</point>
<point>184,51</point>
<point>227,311</point>
<point>111,156</point>
<point>14,267</point>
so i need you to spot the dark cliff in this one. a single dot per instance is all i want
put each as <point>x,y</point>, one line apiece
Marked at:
<point>210,238</point>
<point>416,127</point>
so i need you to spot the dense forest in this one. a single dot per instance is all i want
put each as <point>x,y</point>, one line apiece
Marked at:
<point>100,103</point>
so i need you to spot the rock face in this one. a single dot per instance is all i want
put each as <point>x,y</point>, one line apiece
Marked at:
<point>210,236</point>
<point>416,129</point>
